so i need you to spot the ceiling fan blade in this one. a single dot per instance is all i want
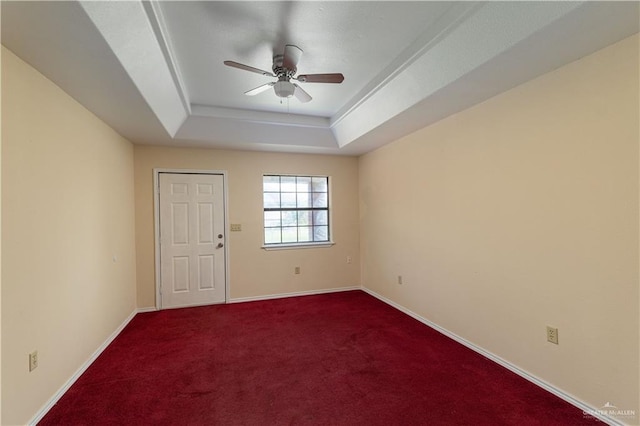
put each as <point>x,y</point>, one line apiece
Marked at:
<point>321,78</point>
<point>302,96</point>
<point>248,68</point>
<point>259,89</point>
<point>292,55</point>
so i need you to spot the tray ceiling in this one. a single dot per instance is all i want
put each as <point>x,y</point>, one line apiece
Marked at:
<point>154,70</point>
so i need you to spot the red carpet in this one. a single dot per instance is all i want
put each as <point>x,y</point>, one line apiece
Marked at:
<point>336,359</point>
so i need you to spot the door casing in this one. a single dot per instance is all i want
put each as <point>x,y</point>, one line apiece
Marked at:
<point>156,223</point>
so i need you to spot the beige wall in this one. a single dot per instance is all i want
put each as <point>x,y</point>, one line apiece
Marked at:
<point>514,214</point>
<point>255,272</point>
<point>0,238</point>
<point>67,210</point>
<point>518,213</point>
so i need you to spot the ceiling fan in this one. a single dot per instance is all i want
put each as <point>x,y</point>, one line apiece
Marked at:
<point>284,69</point>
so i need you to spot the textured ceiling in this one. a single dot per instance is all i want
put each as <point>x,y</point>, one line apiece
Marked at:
<point>154,70</point>
<point>252,32</point>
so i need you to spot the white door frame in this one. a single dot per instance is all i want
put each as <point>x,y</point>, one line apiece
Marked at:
<point>156,223</point>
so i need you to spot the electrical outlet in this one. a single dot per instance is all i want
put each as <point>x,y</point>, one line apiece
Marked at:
<point>296,270</point>
<point>349,260</point>
<point>400,279</point>
<point>552,335</point>
<point>33,360</point>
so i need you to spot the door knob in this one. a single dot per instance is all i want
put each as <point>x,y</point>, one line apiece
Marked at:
<point>220,235</point>
<point>220,245</point>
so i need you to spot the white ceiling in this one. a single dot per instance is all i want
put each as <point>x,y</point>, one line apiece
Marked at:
<point>154,70</point>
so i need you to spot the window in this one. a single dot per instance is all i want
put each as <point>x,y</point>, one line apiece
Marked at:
<point>296,209</point>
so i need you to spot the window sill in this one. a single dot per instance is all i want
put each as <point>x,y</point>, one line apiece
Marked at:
<point>291,246</point>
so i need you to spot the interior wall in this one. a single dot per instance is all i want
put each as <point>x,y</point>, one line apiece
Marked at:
<point>68,267</point>
<point>519,213</point>
<point>0,231</point>
<point>255,272</point>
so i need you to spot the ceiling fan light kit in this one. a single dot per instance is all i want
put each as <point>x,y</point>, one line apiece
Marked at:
<point>284,69</point>
<point>284,89</point>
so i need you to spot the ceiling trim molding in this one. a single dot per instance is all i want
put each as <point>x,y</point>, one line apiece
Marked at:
<point>474,42</point>
<point>445,24</point>
<point>260,117</point>
<point>130,35</point>
<point>157,21</point>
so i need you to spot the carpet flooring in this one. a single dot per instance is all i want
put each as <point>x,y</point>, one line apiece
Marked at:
<point>334,359</point>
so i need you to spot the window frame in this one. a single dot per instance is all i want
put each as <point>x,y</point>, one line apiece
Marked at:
<point>298,245</point>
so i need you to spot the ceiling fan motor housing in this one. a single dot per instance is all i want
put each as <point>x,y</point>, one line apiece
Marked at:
<point>279,69</point>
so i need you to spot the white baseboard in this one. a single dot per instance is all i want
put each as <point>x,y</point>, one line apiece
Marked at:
<point>56,397</point>
<point>294,294</point>
<point>520,372</point>
<point>65,387</point>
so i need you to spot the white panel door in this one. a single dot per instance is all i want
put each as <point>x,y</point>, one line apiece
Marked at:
<point>192,254</point>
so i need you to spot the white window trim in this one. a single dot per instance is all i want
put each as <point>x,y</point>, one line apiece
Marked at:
<point>290,246</point>
<point>310,244</point>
